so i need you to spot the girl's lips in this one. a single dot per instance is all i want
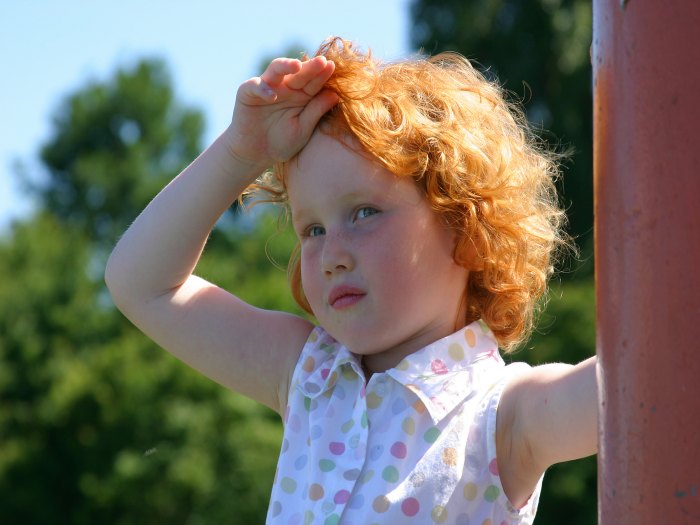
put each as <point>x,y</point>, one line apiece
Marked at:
<point>345,296</point>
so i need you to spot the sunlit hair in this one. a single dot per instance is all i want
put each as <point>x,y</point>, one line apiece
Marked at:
<point>441,122</point>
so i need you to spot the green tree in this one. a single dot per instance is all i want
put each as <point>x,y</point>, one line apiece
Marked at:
<point>539,51</point>
<point>97,425</point>
<point>115,143</point>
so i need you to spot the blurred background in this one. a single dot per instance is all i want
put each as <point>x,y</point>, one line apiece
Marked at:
<point>101,104</point>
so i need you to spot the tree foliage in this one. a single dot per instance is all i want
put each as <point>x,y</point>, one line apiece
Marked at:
<point>97,425</point>
<point>539,51</point>
<point>114,144</point>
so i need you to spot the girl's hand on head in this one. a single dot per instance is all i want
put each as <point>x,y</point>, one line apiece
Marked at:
<point>276,113</point>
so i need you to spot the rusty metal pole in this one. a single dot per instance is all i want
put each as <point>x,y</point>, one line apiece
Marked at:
<point>646,63</point>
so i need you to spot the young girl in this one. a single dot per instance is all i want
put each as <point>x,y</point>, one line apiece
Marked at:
<point>427,223</point>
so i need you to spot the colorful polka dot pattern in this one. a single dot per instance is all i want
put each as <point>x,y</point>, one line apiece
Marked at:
<point>416,444</point>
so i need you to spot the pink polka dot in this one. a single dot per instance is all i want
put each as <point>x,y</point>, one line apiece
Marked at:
<point>410,507</point>
<point>493,467</point>
<point>341,497</point>
<point>325,372</point>
<point>438,366</point>
<point>398,450</point>
<point>337,448</point>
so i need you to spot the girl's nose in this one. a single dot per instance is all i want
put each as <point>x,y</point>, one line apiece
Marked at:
<point>336,254</point>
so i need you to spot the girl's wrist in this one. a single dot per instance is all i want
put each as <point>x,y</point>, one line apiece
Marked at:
<point>236,164</point>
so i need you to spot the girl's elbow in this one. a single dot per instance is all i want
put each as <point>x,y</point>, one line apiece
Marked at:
<point>119,282</point>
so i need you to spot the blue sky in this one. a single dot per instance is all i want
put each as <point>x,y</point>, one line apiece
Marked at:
<point>50,48</point>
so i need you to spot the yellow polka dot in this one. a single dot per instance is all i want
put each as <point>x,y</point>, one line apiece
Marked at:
<point>313,336</point>
<point>403,365</point>
<point>456,352</point>
<point>315,492</point>
<point>487,521</point>
<point>288,485</point>
<point>381,504</point>
<point>373,400</point>
<point>449,456</point>
<point>470,337</point>
<point>409,426</point>
<point>470,491</point>
<point>333,379</point>
<point>439,514</point>
<point>309,364</point>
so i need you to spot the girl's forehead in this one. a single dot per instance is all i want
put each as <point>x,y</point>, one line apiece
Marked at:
<point>329,171</point>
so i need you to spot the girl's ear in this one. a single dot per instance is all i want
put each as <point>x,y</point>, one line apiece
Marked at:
<point>468,254</point>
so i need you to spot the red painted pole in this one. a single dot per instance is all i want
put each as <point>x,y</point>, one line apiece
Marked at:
<point>646,63</point>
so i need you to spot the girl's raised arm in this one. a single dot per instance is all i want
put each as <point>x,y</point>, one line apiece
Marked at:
<point>149,273</point>
<point>546,416</point>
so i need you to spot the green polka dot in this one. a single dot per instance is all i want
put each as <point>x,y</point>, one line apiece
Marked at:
<point>363,421</point>
<point>349,373</point>
<point>288,485</point>
<point>326,465</point>
<point>431,434</point>
<point>390,474</point>
<point>403,365</point>
<point>456,352</point>
<point>491,493</point>
<point>347,426</point>
<point>409,426</point>
<point>308,517</point>
<point>307,403</point>
<point>333,519</point>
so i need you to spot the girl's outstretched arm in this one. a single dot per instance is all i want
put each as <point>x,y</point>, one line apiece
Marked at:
<point>546,416</point>
<point>149,273</point>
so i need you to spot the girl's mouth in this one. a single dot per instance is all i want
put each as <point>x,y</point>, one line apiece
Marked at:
<point>345,296</point>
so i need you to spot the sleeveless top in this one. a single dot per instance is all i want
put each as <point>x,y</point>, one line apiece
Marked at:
<point>415,444</point>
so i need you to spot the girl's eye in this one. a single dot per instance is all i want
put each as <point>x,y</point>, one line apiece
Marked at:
<point>365,211</point>
<point>314,231</point>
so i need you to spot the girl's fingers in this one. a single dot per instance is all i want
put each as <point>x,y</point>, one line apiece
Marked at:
<point>316,108</point>
<point>309,70</point>
<point>279,68</point>
<point>316,83</point>
<point>255,91</point>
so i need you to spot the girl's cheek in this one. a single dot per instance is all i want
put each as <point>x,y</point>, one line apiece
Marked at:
<point>310,272</point>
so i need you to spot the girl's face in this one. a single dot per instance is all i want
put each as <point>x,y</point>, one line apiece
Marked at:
<point>376,261</point>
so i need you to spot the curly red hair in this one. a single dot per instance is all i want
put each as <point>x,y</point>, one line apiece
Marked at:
<point>440,121</point>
